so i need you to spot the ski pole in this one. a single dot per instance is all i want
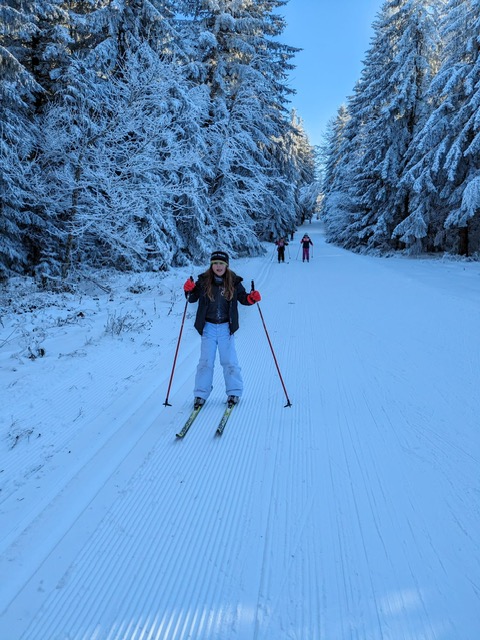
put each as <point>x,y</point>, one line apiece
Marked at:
<point>289,404</point>
<point>296,257</point>
<point>166,403</point>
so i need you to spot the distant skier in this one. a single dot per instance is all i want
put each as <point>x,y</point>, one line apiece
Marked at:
<point>218,292</point>
<point>306,242</point>
<point>281,244</point>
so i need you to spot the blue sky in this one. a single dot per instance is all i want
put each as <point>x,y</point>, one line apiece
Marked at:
<point>334,36</point>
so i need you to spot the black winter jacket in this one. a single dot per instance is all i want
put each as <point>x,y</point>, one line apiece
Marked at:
<point>198,294</point>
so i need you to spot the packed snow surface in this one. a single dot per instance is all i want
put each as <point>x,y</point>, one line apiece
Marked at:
<point>352,514</point>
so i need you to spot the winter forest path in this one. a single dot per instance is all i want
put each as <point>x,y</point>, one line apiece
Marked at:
<point>352,514</point>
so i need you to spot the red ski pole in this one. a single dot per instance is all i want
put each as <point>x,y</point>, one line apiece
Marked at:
<point>166,403</point>
<point>289,404</point>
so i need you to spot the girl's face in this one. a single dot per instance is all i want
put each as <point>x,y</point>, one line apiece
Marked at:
<point>219,268</point>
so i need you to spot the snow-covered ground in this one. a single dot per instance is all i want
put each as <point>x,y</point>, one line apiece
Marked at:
<point>352,514</point>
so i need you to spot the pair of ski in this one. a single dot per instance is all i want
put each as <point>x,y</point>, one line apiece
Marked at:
<point>194,414</point>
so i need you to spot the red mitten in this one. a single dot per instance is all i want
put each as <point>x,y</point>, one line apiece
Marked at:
<point>253,297</point>
<point>189,285</point>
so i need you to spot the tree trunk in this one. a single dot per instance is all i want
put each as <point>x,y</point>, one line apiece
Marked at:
<point>463,241</point>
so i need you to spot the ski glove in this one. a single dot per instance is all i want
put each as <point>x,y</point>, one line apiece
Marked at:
<point>189,286</point>
<point>253,297</point>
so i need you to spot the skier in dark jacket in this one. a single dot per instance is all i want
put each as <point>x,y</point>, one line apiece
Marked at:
<point>306,242</point>
<point>281,244</point>
<point>218,292</point>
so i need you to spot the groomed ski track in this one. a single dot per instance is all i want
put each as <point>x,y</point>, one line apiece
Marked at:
<point>352,515</point>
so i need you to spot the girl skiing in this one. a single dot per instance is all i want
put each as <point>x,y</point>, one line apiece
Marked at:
<point>281,244</point>
<point>306,242</point>
<point>218,292</point>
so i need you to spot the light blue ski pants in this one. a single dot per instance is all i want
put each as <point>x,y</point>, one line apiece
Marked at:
<point>218,335</point>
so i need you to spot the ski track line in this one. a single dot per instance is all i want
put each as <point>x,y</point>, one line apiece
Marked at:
<point>360,446</point>
<point>315,522</point>
<point>293,500</point>
<point>78,432</point>
<point>79,446</point>
<point>67,508</point>
<point>179,578</point>
<point>349,461</point>
<point>232,420</point>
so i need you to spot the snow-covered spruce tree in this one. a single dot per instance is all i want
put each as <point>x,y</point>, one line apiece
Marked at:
<point>235,56</point>
<point>117,172</point>
<point>35,47</point>
<point>462,162</point>
<point>395,76</point>
<point>51,47</point>
<point>131,24</point>
<point>445,167</point>
<point>292,163</point>
<point>18,93</point>
<point>350,221</point>
<point>281,187</point>
<point>179,155</point>
<point>425,175</point>
<point>337,208</point>
<point>383,115</point>
<point>124,158</point>
<point>68,127</point>
<point>330,148</point>
<point>300,171</point>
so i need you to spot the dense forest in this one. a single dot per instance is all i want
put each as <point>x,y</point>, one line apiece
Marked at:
<point>402,158</point>
<point>140,134</point>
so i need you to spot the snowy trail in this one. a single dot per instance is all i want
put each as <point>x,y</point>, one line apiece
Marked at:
<point>352,514</point>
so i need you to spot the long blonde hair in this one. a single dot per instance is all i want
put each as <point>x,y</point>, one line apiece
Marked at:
<point>228,283</point>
